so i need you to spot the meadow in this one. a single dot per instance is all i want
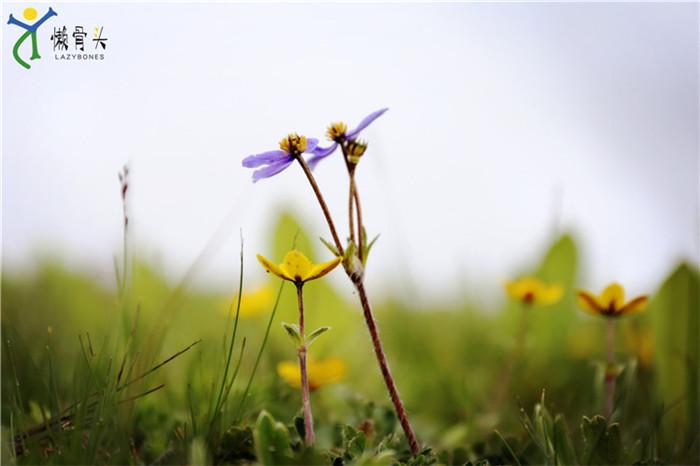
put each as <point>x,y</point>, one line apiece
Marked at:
<point>83,380</point>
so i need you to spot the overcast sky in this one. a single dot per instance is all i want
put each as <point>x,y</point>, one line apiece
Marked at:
<point>506,122</point>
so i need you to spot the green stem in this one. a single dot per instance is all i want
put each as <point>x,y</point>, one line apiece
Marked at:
<point>610,377</point>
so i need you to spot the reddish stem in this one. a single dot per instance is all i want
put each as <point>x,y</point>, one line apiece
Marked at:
<point>305,393</point>
<point>384,366</point>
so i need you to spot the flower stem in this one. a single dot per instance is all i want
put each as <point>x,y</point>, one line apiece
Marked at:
<point>384,367</point>
<point>357,280</point>
<point>305,394</point>
<point>322,202</point>
<point>518,349</point>
<point>610,376</point>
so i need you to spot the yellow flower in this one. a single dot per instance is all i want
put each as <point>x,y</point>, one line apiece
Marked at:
<point>328,371</point>
<point>531,290</point>
<point>611,302</point>
<point>255,302</point>
<point>294,144</point>
<point>297,268</point>
<point>336,130</point>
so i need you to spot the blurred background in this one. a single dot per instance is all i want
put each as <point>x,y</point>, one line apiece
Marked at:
<point>557,140</point>
<point>508,124</point>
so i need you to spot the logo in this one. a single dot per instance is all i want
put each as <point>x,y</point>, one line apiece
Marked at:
<point>29,14</point>
<point>68,43</point>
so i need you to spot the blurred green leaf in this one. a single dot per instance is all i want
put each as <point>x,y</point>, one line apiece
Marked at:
<point>602,442</point>
<point>271,441</point>
<point>675,317</point>
<point>288,231</point>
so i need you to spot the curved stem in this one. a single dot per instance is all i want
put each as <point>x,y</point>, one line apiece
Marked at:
<point>384,367</point>
<point>322,202</point>
<point>357,280</point>
<point>305,393</point>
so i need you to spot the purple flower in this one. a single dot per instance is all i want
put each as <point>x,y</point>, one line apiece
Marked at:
<point>275,161</point>
<point>338,133</point>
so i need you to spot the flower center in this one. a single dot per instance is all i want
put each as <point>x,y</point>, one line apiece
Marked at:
<point>293,144</point>
<point>336,131</point>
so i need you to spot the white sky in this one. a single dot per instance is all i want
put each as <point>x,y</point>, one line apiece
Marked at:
<point>494,109</point>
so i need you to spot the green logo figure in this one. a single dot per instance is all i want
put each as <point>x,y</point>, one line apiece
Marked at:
<point>29,14</point>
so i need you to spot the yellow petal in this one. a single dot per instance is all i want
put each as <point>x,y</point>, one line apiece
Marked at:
<point>635,305</point>
<point>524,288</point>
<point>588,302</point>
<point>613,297</point>
<point>550,294</point>
<point>296,266</point>
<point>328,371</point>
<point>274,268</point>
<point>289,371</point>
<point>257,301</point>
<point>319,270</point>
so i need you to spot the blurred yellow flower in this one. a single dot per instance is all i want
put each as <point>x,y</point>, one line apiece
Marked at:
<point>328,371</point>
<point>255,302</point>
<point>532,290</point>
<point>611,302</point>
<point>297,268</point>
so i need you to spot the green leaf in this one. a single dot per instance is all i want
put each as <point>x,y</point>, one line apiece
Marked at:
<point>271,440</point>
<point>293,333</point>
<point>356,445</point>
<point>563,448</point>
<point>315,334</point>
<point>330,247</point>
<point>675,320</point>
<point>601,442</point>
<point>286,231</point>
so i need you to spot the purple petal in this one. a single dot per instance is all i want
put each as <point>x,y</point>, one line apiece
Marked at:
<point>271,170</point>
<point>311,145</point>
<point>325,151</point>
<point>266,158</point>
<point>365,123</point>
<point>319,154</point>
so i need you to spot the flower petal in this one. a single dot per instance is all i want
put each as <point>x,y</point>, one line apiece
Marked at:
<point>612,297</point>
<point>635,305</point>
<point>319,270</point>
<point>296,266</point>
<point>331,370</point>
<point>289,371</point>
<point>319,154</point>
<point>273,268</point>
<point>588,302</point>
<point>311,145</point>
<point>266,158</point>
<point>524,287</point>
<point>550,294</point>
<point>365,123</point>
<point>272,170</point>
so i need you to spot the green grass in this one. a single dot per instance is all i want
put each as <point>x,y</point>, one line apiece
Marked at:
<point>66,388</point>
